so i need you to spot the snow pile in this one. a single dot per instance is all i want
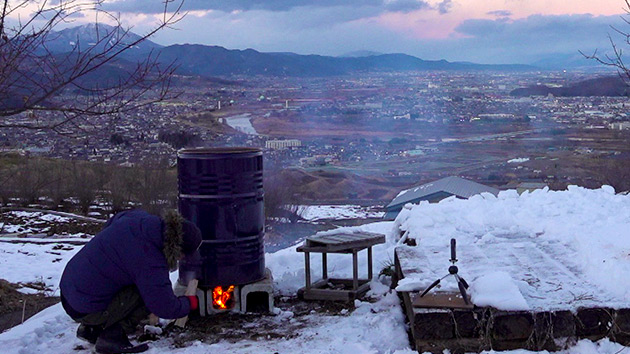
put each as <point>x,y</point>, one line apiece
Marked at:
<point>497,289</point>
<point>519,160</point>
<point>563,249</point>
<point>337,212</point>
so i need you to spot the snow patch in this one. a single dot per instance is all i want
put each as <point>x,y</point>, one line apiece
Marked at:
<point>497,289</point>
<point>337,212</point>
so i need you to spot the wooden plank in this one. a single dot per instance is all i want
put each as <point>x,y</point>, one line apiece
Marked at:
<point>334,295</point>
<point>327,239</point>
<point>307,263</point>
<point>340,243</point>
<point>326,294</point>
<point>332,240</point>
<point>369,262</point>
<point>450,300</point>
<point>356,244</point>
<point>345,282</point>
<point>345,238</point>
<point>321,249</point>
<point>191,290</point>
<point>355,270</point>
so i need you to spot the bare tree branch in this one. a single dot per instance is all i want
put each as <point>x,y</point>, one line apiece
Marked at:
<point>54,89</point>
<point>615,59</point>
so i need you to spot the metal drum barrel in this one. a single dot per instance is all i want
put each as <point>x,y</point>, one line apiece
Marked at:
<point>221,191</point>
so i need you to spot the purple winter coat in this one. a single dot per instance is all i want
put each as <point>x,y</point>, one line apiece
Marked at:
<point>127,252</point>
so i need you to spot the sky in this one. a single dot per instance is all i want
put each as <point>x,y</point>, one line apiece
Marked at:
<point>483,31</point>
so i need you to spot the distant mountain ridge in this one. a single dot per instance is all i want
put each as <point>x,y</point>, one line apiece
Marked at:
<point>360,53</point>
<point>196,59</point>
<point>86,36</point>
<point>212,61</point>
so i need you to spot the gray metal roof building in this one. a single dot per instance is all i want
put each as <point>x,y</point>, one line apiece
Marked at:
<point>436,191</point>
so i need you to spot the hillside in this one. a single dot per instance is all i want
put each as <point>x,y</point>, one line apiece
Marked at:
<point>604,86</point>
<point>336,186</point>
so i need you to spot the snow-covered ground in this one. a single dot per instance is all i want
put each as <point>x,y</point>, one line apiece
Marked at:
<point>30,263</point>
<point>242,123</point>
<point>519,160</point>
<point>34,222</point>
<point>337,212</point>
<point>588,230</point>
<point>572,246</point>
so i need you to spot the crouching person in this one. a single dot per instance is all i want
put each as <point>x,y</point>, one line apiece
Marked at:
<point>122,275</point>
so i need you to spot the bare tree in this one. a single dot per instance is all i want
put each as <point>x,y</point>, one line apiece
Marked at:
<point>120,188</point>
<point>58,188</point>
<point>6,182</point>
<point>157,186</point>
<point>281,200</point>
<point>84,185</point>
<point>59,91</point>
<point>615,59</point>
<point>615,172</point>
<point>30,179</point>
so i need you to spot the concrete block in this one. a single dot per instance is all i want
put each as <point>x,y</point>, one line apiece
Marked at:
<point>436,324</point>
<point>621,329</point>
<point>594,323</point>
<point>467,323</point>
<point>507,326</point>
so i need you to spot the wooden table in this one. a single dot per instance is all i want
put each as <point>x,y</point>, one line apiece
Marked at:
<point>338,289</point>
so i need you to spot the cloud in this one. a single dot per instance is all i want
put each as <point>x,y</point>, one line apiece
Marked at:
<point>152,6</point>
<point>405,5</point>
<point>500,13</point>
<point>525,40</point>
<point>445,6</point>
<point>334,30</point>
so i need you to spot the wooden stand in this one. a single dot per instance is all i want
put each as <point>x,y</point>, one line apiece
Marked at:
<point>338,289</point>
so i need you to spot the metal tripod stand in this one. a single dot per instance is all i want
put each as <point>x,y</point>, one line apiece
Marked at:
<point>452,270</point>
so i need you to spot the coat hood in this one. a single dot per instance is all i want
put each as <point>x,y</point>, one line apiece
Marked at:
<point>173,237</point>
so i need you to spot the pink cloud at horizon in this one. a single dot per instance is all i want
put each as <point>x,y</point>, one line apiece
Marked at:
<point>424,24</point>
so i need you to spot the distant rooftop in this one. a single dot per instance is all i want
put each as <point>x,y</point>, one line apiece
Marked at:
<point>457,186</point>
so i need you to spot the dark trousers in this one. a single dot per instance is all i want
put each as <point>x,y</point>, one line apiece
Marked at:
<point>126,309</point>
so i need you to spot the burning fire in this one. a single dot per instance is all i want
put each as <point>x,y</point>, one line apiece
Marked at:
<point>222,298</point>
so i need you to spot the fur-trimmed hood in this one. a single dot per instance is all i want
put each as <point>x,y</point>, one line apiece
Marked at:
<point>173,237</point>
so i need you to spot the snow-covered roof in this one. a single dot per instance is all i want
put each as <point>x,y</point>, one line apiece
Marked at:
<point>454,185</point>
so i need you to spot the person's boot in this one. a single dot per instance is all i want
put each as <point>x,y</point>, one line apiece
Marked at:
<point>89,333</point>
<point>114,340</point>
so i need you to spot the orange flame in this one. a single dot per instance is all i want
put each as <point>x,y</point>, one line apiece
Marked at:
<point>222,298</point>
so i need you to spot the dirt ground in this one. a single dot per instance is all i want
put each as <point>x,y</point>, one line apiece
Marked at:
<point>13,304</point>
<point>237,327</point>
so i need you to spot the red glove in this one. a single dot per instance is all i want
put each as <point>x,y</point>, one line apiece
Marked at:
<point>194,302</point>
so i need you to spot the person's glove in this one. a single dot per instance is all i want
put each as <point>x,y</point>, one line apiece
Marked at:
<point>194,302</point>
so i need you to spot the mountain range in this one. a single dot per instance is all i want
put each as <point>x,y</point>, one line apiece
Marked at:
<point>212,61</point>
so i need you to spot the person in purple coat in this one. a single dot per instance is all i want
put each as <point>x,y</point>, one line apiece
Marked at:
<point>122,275</point>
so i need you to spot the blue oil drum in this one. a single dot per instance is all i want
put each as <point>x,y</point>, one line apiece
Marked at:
<point>221,191</point>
